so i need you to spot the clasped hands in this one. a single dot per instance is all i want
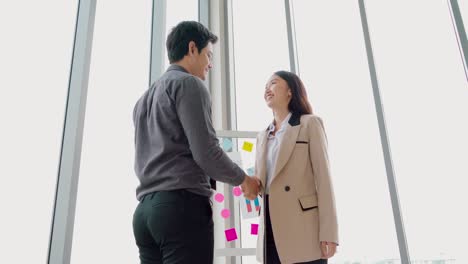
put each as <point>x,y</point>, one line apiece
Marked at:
<point>251,186</point>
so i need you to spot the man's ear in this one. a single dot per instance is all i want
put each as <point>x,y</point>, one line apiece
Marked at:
<point>192,48</point>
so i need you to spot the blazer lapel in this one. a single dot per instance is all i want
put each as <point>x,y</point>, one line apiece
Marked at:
<point>287,144</point>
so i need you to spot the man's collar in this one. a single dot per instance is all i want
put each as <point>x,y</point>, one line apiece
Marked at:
<point>176,67</point>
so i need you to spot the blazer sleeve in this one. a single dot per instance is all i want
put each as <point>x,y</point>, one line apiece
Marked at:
<point>328,223</point>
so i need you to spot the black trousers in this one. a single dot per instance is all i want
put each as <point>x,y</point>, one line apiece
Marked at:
<point>271,253</point>
<point>174,227</point>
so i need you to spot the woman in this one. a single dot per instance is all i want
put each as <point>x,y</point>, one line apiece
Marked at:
<point>298,224</point>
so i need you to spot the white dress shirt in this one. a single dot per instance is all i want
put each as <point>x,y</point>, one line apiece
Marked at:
<point>273,144</point>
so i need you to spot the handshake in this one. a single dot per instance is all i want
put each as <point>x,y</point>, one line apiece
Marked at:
<point>251,186</point>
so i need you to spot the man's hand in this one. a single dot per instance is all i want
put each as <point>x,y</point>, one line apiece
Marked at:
<point>328,249</point>
<point>251,187</point>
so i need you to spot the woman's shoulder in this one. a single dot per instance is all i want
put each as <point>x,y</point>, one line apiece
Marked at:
<point>311,119</point>
<point>313,124</point>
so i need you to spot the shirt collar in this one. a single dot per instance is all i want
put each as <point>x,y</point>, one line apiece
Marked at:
<point>176,67</point>
<point>272,126</point>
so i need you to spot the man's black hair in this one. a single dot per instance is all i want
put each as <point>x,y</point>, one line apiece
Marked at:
<point>180,36</point>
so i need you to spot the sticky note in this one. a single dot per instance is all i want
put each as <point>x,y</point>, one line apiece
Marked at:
<point>226,144</point>
<point>219,197</point>
<point>225,213</point>
<point>247,146</point>
<point>237,191</point>
<point>250,208</point>
<point>230,234</point>
<point>251,171</point>
<point>254,229</point>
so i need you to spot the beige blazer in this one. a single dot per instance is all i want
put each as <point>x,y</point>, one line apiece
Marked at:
<point>302,204</point>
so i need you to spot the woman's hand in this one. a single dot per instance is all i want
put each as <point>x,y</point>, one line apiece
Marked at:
<point>250,187</point>
<point>260,186</point>
<point>328,249</point>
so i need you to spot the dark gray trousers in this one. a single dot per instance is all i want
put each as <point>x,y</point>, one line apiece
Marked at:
<point>174,227</point>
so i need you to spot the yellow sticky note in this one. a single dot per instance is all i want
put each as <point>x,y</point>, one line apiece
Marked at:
<point>247,146</point>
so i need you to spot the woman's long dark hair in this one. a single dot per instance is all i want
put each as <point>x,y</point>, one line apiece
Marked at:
<point>299,104</point>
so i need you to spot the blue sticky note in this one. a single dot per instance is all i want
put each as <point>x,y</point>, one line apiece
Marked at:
<point>251,171</point>
<point>226,144</point>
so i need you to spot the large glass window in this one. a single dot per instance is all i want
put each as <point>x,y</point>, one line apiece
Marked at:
<point>178,11</point>
<point>463,4</point>
<point>333,66</point>
<point>118,77</point>
<point>35,57</point>
<point>425,96</point>
<point>260,48</point>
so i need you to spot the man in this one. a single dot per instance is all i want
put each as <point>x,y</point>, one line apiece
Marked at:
<point>176,148</point>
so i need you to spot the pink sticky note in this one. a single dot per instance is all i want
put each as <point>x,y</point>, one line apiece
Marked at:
<point>231,234</point>
<point>225,213</point>
<point>237,191</point>
<point>219,197</point>
<point>254,229</point>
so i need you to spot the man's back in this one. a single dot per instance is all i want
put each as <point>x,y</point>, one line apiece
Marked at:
<point>175,143</point>
<point>175,149</point>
